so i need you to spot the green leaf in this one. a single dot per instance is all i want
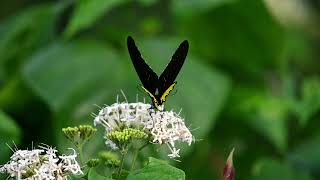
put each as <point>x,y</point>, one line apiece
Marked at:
<point>93,175</point>
<point>87,12</point>
<point>310,103</point>
<point>148,2</point>
<point>191,7</point>
<point>60,71</point>
<point>306,155</point>
<point>266,114</point>
<point>71,77</point>
<point>241,36</point>
<point>267,169</point>
<point>157,169</point>
<point>10,133</point>
<point>25,32</point>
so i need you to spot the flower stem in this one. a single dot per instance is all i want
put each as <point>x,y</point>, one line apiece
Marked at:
<point>136,155</point>
<point>123,154</point>
<point>134,158</point>
<point>80,151</point>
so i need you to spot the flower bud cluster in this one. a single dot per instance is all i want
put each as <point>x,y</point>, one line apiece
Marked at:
<point>126,135</point>
<point>79,135</point>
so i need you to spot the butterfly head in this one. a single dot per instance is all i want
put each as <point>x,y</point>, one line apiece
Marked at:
<point>157,100</point>
<point>157,103</point>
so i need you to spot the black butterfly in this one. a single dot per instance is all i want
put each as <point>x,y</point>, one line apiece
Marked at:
<point>151,83</point>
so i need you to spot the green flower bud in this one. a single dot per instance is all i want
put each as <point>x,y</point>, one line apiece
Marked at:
<point>71,132</point>
<point>79,135</point>
<point>111,159</point>
<point>93,162</point>
<point>86,131</point>
<point>29,173</point>
<point>125,136</point>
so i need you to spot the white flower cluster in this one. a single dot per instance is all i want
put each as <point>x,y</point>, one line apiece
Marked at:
<point>162,126</point>
<point>168,127</point>
<point>41,164</point>
<point>119,114</point>
<point>122,113</point>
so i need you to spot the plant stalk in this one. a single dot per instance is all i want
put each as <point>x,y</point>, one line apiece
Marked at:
<point>80,150</point>
<point>136,155</point>
<point>123,154</point>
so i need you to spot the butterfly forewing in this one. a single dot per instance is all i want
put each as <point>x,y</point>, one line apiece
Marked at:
<point>147,76</point>
<point>171,72</point>
<point>166,82</point>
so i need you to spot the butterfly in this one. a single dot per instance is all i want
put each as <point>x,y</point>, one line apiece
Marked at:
<point>158,88</point>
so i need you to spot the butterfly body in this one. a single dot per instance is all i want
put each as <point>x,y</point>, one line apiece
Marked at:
<point>159,99</point>
<point>157,88</point>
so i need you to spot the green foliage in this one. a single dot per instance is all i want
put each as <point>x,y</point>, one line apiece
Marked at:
<point>25,32</point>
<point>306,155</point>
<point>244,41</point>
<point>93,175</point>
<point>249,82</point>
<point>57,72</point>
<point>271,169</point>
<point>267,115</point>
<point>157,169</point>
<point>87,12</point>
<point>187,8</point>
<point>10,133</point>
<point>310,100</point>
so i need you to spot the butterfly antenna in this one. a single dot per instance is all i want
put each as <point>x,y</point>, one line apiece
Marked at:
<point>125,98</point>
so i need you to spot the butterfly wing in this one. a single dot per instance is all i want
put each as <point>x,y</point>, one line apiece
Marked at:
<point>147,76</point>
<point>168,76</point>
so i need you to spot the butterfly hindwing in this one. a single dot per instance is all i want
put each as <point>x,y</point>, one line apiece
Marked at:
<point>147,76</point>
<point>154,99</point>
<point>170,73</point>
<point>167,92</point>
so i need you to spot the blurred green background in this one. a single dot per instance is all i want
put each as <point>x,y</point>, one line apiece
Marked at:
<point>251,79</point>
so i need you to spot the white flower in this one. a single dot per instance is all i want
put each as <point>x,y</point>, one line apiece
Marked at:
<point>174,153</point>
<point>40,164</point>
<point>70,164</point>
<point>163,127</point>
<point>168,127</point>
<point>121,114</point>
